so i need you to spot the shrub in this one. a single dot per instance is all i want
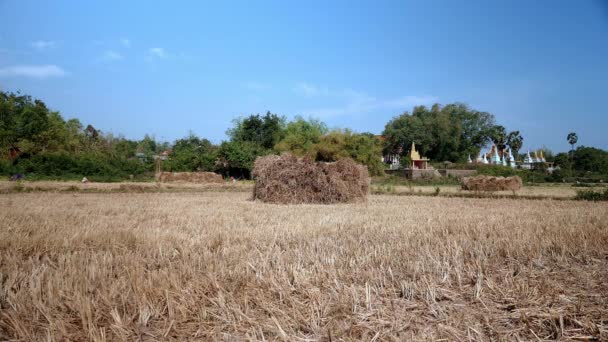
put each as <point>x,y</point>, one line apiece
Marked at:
<point>488,183</point>
<point>590,195</point>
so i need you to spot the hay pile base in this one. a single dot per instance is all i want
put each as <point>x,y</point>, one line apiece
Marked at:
<point>189,177</point>
<point>290,180</point>
<point>489,183</point>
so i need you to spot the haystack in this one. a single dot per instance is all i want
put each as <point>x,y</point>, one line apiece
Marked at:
<point>489,183</point>
<point>189,177</point>
<point>287,179</point>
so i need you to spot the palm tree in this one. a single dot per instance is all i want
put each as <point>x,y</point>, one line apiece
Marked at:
<point>515,141</point>
<point>572,139</point>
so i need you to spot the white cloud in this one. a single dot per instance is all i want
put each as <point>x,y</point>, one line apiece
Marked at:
<point>411,101</point>
<point>34,71</point>
<point>43,44</point>
<point>110,55</point>
<point>158,52</point>
<point>357,102</point>
<point>125,42</point>
<point>310,90</point>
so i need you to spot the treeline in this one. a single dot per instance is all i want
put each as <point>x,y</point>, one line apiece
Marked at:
<point>448,133</point>
<point>259,135</point>
<point>39,143</point>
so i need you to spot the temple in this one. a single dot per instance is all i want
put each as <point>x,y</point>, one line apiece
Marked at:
<point>506,158</point>
<point>496,157</point>
<point>418,162</point>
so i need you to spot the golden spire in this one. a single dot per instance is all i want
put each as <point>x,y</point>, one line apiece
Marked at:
<point>414,155</point>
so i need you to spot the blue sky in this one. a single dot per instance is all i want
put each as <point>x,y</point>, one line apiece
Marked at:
<point>165,68</point>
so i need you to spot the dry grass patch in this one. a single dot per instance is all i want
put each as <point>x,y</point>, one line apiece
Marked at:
<point>189,177</point>
<point>490,183</point>
<point>54,186</point>
<point>202,266</point>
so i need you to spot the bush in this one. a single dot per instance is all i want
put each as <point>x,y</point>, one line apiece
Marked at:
<point>590,195</point>
<point>64,166</point>
<point>490,183</point>
<point>496,170</point>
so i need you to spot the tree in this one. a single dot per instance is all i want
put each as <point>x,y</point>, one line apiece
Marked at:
<point>235,158</point>
<point>265,130</point>
<point>301,135</point>
<point>192,154</point>
<point>590,159</point>
<point>499,137</point>
<point>363,148</point>
<point>449,133</point>
<point>515,142</point>
<point>572,140</point>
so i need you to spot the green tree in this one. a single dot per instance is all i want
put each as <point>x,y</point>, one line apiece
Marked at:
<point>235,158</point>
<point>499,137</point>
<point>363,148</point>
<point>515,141</point>
<point>301,135</point>
<point>449,133</point>
<point>572,139</point>
<point>265,130</point>
<point>192,154</point>
<point>590,159</point>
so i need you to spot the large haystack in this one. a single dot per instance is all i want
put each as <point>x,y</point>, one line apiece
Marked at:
<point>287,179</point>
<point>489,183</point>
<point>189,177</point>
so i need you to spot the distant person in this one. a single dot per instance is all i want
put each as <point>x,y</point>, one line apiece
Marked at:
<point>85,180</point>
<point>16,177</point>
<point>232,180</point>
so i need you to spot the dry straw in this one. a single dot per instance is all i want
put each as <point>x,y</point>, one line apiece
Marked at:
<point>488,183</point>
<point>287,179</point>
<point>190,177</point>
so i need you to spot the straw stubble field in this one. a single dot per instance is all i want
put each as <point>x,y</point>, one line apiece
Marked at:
<point>215,265</point>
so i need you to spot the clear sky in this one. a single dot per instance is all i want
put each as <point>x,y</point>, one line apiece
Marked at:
<point>165,68</point>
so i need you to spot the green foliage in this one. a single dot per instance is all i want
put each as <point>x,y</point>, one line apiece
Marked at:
<point>572,139</point>
<point>192,154</point>
<point>590,195</point>
<point>62,165</point>
<point>590,159</point>
<point>497,170</point>
<point>235,158</point>
<point>40,144</point>
<point>265,131</point>
<point>301,135</point>
<point>441,133</point>
<point>515,141</point>
<point>363,148</point>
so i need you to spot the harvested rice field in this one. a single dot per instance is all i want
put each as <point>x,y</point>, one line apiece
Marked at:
<point>218,266</point>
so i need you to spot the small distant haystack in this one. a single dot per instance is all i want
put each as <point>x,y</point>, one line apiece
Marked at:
<point>189,177</point>
<point>287,179</point>
<point>489,183</point>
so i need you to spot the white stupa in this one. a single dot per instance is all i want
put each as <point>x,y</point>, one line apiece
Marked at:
<point>511,159</point>
<point>495,157</point>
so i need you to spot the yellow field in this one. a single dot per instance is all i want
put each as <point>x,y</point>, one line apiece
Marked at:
<point>215,265</point>
<point>552,191</point>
